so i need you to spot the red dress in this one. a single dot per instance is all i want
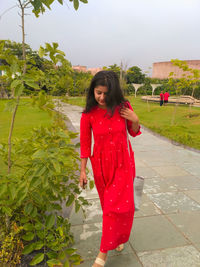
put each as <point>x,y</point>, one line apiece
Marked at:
<point>114,171</point>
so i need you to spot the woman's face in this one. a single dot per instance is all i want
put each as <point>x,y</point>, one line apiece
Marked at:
<point>100,95</point>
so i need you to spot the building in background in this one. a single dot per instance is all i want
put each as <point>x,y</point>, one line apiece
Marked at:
<point>161,70</point>
<point>85,69</point>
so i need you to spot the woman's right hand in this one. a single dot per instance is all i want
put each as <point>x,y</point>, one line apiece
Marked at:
<point>83,179</point>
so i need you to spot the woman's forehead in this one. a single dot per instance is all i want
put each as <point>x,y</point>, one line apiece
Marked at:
<point>101,88</point>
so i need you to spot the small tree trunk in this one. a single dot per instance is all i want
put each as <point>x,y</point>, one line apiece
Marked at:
<point>10,136</point>
<point>174,113</point>
<point>18,98</point>
<point>190,105</point>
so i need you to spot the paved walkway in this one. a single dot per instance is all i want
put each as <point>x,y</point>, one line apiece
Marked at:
<point>166,230</point>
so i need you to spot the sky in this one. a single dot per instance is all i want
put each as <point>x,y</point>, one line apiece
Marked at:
<point>105,32</point>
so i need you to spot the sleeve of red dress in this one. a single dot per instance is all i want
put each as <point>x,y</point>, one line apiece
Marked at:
<point>129,125</point>
<point>85,136</point>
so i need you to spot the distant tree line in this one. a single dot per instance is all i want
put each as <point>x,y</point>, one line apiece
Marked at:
<point>55,79</point>
<point>61,79</point>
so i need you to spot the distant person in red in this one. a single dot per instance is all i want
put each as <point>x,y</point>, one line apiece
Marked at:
<point>161,98</point>
<point>166,96</point>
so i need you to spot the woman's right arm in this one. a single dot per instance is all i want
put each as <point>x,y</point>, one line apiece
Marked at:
<point>85,146</point>
<point>83,177</point>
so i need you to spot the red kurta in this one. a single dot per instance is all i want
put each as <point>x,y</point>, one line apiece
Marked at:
<point>114,171</point>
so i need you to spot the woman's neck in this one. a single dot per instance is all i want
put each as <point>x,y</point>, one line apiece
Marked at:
<point>102,107</point>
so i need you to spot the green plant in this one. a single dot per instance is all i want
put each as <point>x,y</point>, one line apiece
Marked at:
<point>11,245</point>
<point>33,197</point>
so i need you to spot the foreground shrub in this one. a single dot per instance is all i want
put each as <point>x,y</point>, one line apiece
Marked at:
<point>44,176</point>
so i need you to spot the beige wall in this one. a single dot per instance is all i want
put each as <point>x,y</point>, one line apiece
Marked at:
<point>161,70</point>
<point>84,69</point>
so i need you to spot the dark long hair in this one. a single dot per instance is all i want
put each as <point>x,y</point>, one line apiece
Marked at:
<point>114,96</point>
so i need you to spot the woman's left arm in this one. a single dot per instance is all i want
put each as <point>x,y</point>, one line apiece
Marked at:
<point>132,120</point>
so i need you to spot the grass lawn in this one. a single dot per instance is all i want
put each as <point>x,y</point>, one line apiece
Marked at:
<point>186,126</point>
<point>27,118</point>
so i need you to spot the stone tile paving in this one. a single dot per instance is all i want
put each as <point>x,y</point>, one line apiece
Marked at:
<point>166,230</point>
<point>172,257</point>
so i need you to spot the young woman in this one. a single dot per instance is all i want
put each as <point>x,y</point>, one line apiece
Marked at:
<point>109,116</point>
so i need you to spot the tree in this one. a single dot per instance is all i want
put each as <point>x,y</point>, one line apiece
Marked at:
<point>190,78</point>
<point>114,68</point>
<point>29,210</point>
<point>81,83</point>
<point>40,5</point>
<point>135,75</point>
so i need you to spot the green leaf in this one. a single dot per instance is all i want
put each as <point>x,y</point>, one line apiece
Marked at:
<point>12,191</point>
<point>3,189</point>
<point>39,171</point>
<point>28,227</point>
<point>70,200</point>
<point>77,206</point>
<point>41,234</point>
<point>28,237</point>
<point>56,165</point>
<point>53,262</point>
<point>56,206</point>
<point>70,251</point>
<point>39,154</point>
<point>60,1</point>
<point>35,181</point>
<point>36,4</point>
<point>76,4</point>
<point>41,51</point>
<point>50,221</point>
<point>74,257</point>
<point>24,220</point>
<point>38,226</point>
<point>77,145</point>
<point>14,68</point>
<point>91,184</point>
<point>84,1</point>
<point>33,212</point>
<point>18,90</point>
<point>10,105</point>
<point>60,230</point>
<point>28,249</point>
<point>21,196</point>
<point>32,84</point>
<point>52,254</point>
<point>66,264</point>
<point>7,211</point>
<point>37,197</point>
<point>61,255</point>
<point>2,43</point>
<point>38,245</point>
<point>28,208</point>
<point>48,3</point>
<point>37,259</point>
<point>15,83</point>
<point>72,135</point>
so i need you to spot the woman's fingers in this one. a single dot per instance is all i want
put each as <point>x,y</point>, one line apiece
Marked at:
<point>83,181</point>
<point>126,113</point>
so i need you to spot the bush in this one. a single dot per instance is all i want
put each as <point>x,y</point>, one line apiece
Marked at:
<point>44,177</point>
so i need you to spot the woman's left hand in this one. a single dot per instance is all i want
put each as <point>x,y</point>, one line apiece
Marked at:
<point>129,114</point>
